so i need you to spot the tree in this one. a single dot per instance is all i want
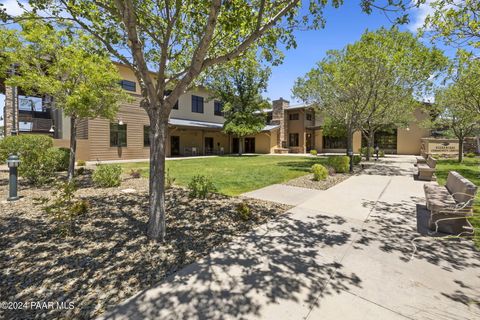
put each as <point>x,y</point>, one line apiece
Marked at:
<point>369,85</point>
<point>458,102</point>
<point>456,22</point>
<point>68,67</point>
<point>239,86</point>
<point>179,40</point>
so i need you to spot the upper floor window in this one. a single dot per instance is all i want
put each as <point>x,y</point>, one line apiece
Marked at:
<point>146,136</point>
<point>293,116</point>
<point>197,104</point>
<point>218,107</point>
<point>128,85</point>
<point>309,117</point>
<point>118,135</point>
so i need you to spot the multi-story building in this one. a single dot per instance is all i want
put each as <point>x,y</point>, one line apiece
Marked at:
<point>195,128</point>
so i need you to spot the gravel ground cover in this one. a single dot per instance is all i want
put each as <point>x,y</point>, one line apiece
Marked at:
<point>109,257</point>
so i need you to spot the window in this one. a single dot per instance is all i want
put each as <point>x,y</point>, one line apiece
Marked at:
<point>218,107</point>
<point>146,136</point>
<point>175,106</point>
<point>293,139</point>
<point>128,85</point>
<point>118,135</point>
<point>197,104</point>
<point>309,117</point>
<point>334,142</point>
<point>293,116</point>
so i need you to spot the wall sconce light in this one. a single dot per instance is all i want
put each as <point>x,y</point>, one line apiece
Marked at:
<point>407,128</point>
<point>120,122</point>
<point>52,129</point>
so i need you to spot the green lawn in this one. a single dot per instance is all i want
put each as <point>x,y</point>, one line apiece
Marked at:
<point>470,169</point>
<point>233,175</point>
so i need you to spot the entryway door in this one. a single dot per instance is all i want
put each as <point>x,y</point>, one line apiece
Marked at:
<point>235,145</point>
<point>308,142</point>
<point>208,145</point>
<point>249,145</point>
<point>175,146</point>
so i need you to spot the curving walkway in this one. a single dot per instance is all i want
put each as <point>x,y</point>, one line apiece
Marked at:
<point>343,253</point>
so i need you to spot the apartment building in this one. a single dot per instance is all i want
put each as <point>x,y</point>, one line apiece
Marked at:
<point>195,128</point>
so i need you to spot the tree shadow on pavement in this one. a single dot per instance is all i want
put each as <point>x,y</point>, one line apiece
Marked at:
<point>277,264</point>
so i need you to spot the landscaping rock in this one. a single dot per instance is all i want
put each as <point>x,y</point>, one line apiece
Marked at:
<point>109,257</point>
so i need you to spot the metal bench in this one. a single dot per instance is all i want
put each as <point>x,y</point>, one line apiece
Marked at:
<point>450,205</point>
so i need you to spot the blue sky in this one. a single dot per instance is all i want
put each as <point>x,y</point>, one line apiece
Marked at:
<point>343,25</point>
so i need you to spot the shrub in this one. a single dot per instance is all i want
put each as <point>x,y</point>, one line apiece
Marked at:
<point>341,164</point>
<point>357,159</point>
<point>470,155</point>
<point>200,187</point>
<point>313,152</point>
<point>381,154</point>
<point>59,157</point>
<point>135,173</point>
<point>243,211</point>
<point>81,163</point>
<point>64,209</point>
<point>169,180</point>
<point>107,176</point>
<point>363,151</point>
<point>37,165</point>
<point>319,172</point>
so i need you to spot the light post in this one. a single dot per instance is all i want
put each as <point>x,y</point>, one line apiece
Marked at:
<point>13,162</point>
<point>377,150</point>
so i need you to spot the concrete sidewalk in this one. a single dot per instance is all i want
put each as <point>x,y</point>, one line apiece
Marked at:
<point>343,253</point>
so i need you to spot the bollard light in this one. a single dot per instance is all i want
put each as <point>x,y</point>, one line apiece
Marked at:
<point>13,162</point>
<point>350,155</point>
<point>377,150</point>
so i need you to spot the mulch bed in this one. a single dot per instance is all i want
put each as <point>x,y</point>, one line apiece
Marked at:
<point>109,257</point>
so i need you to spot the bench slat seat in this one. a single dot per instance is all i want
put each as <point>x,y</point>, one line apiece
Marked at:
<point>450,205</point>
<point>437,197</point>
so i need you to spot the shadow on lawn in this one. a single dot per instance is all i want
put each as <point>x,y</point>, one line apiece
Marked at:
<point>304,165</point>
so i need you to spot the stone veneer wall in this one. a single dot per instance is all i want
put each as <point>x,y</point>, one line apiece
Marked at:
<point>278,118</point>
<point>8,112</point>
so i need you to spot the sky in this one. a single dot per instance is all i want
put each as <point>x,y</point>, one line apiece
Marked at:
<point>343,26</point>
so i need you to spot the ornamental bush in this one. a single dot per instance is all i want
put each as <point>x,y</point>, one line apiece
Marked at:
<point>313,152</point>
<point>243,211</point>
<point>341,164</point>
<point>38,161</point>
<point>319,172</point>
<point>200,187</point>
<point>107,176</point>
<point>470,155</point>
<point>357,159</point>
<point>363,151</point>
<point>60,158</point>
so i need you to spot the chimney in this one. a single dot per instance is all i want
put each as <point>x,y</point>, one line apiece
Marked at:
<point>278,118</point>
<point>10,112</point>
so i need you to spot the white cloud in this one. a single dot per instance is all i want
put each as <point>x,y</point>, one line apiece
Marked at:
<point>13,8</point>
<point>419,15</point>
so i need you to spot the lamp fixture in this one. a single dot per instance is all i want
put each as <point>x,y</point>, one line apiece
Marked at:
<point>120,122</point>
<point>408,128</point>
<point>52,129</point>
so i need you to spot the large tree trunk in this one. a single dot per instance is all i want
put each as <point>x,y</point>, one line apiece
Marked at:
<point>370,142</point>
<point>73,147</point>
<point>158,134</point>
<point>460,150</point>
<point>350,148</point>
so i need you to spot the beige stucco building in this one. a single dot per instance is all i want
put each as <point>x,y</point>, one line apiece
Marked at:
<point>196,128</point>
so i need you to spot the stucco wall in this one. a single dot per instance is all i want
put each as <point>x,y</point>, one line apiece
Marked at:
<point>409,141</point>
<point>266,142</point>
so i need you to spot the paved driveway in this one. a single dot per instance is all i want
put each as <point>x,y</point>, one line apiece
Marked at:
<point>343,253</point>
